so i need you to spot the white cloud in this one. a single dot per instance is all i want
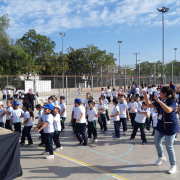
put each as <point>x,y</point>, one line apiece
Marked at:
<point>56,15</point>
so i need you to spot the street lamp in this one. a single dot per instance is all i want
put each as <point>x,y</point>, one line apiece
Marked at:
<point>163,10</point>
<point>62,35</point>
<point>175,49</point>
<point>119,42</point>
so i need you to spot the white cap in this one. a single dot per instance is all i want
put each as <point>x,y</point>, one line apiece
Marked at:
<point>1,103</point>
<point>57,106</point>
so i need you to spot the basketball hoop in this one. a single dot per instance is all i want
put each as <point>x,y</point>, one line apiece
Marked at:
<point>112,69</point>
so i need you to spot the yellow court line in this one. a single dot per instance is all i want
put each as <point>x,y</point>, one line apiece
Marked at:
<point>88,165</point>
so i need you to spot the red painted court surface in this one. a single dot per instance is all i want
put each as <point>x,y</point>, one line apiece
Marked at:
<point>105,159</point>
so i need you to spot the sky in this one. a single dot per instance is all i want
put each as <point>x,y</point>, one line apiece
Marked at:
<point>103,23</point>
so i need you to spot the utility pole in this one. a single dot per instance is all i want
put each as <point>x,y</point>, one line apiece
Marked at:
<point>136,63</point>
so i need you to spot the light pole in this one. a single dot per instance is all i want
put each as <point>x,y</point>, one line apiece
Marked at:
<point>62,35</point>
<point>136,63</point>
<point>175,49</point>
<point>163,10</point>
<point>119,42</point>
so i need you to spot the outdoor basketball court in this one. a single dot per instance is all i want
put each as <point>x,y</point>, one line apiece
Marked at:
<point>105,159</point>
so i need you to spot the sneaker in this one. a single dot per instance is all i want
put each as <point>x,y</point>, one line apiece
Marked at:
<point>116,137</point>
<point>143,143</point>
<point>80,144</point>
<point>41,144</point>
<point>173,169</point>
<point>108,122</point>
<point>131,138</point>
<point>45,153</point>
<point>50,157</point>
<point>124,132</point>
<point>29,144</point>
<point>160,161</point>
<point>22,143</point>
<point>147,130</point>
<point>84,144</point>
<point>114,133</point>
<point>58,148</point>
<point>95,140</point>
<point>175,139</point>
<point>89,138</point>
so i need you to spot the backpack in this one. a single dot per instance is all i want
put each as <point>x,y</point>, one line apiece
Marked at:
<point>26,98</point>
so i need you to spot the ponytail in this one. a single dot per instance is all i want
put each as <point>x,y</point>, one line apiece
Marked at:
<point>169,92</point>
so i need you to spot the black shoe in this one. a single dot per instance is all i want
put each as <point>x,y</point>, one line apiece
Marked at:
<point>101,128</point>
<point>143,143</point>
<point>131,138</point>
<point>29,144</point>
<point>84,144</point>
<point>22,143</point>
<point>80,144</point>
<point>41,144</point>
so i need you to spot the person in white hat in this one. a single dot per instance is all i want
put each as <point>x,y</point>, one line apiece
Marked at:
<point>1,114</point>
<point>57,127</point>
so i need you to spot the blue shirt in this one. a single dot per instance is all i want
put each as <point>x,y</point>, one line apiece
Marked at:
<point>134,89</point>
<point>171,122</point>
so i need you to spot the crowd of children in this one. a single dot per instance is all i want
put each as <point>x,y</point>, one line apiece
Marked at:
<point>18,93</point>
<point>52,116</point>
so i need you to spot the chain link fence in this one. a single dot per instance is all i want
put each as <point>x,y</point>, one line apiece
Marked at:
<point>77,86</point>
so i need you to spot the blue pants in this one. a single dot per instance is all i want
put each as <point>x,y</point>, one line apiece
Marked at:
<point>117,128</point>
<point>1,124</point>
<point>80,129</point>
<point>17,127</point>
<point>132,116</point>
<point>124,123</point>
<point>107,114</point>
<point>169,140</point>
<point>48,142</point>
<point>148,124</point>
<point>102,121</point>
<point>26,133</point>
<point>56,139</point>
<point>141,126</point>
<point>42,136</point>
<point>92,129</point>
<point>7,125</point>
<point>74,123</point>
<point>62,122</point>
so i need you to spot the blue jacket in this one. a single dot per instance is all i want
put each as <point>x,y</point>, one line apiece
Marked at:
<point>171,122</point>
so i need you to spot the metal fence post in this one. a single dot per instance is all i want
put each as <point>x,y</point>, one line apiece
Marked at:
<point>139,75</point>
<point>75,81</point>
<point>66,90</point>
<point>7,80</point>
<point>172,71</point>
<point>54,82</point>
<point>154,73</point>
<point>125,79</point>
<point>35,89</point>
<point>113,77</point>
<point>92,85</point>
<point>101,78</point>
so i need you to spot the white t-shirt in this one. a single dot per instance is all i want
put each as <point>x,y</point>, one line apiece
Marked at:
<point>102,106</point>
<point>48,118</point>
<point>139,104</point>
<point>26,115</point>
<point>133,106</point>
<point>75,112</point>
<point>119,90</point>
<point>122,107</point>
<point>137,90</point>
<point>142,91</point>
<point>92,114</point>
<point>81,110</point>
<point>115,110</point>
<point>157,93</point>
<point>141,118</point>
<point>155,119</point>
<point>56,122</point>
<point>108,92</point>
<point>16,114</point>
<point>9,110</point>
<point>102,93</point>
<point>4,92</point>
<point>150,91</point>
<point>41,112</point>
<point>1,113</point>
<point>8,92</point>
<point>106,103</point>
<point>114,93</point>
<point>128,91</point>
<point>63,106</point>
<point>54,103</point>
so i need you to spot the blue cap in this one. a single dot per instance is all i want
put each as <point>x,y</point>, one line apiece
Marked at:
<point>16,103</point>
<point>78,101</point>
<point>48,106</point>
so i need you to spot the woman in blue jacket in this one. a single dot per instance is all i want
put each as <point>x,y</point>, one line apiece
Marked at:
<point>167,125</point>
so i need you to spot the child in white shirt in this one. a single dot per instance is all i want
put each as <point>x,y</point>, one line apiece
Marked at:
<point>46,123</point>
<point>28,123</point>
<point>73,116</point>
<point>108,94</point>
<point>1,115</point>
<point>129,91</point>
<point>8,111</point>
<point>4,93</point>
<point>106,102</point>
<point>133,106</point>
<point>150,92</point>
<point>102,111</point>
<point>16,116</point>
<point>92,114</point>
<point>63,111</point>
<point>80,127</point>
<point>114,93</point>
<point>139,102</point>
<point>116,119</point>
<point>119,90</point>
<point>57,127</point>
<point>124,113</point>
<point>140,122</point>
